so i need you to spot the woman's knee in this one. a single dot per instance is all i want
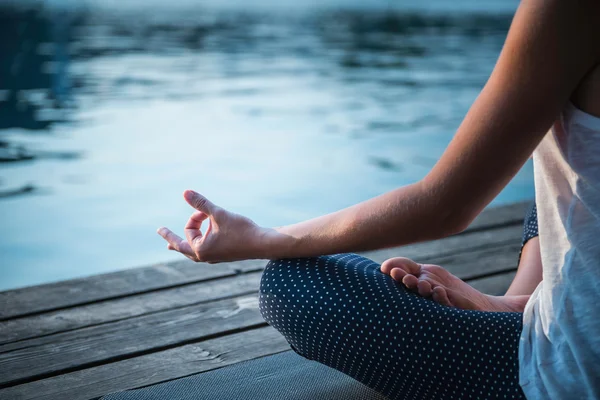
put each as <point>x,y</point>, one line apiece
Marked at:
<point>287,277</point>
<point>275,284</point>
<point>290,287</point>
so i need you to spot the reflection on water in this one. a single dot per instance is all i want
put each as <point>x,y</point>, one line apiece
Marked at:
<point>107,115</point>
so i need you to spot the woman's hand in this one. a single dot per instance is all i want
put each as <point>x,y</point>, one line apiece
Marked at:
<point>437,283</point>
<point>229,236</point>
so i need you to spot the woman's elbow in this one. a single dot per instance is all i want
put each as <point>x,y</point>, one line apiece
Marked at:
<point>453,213</point>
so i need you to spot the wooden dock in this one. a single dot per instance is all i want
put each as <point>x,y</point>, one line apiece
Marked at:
<point>84,338</point>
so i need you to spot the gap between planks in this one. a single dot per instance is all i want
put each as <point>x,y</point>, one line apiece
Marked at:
<point>502,258</point>
<point>152,368</point>
<point>161,366</point>
<point>48,356</point>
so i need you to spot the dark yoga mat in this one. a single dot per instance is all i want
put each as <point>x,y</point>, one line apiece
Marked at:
<point>281,376</point>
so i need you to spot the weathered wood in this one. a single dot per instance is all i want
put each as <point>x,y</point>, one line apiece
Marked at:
<point>510,214</point>
<point>145,333</point>
<point>152,368</point>
<point>127,307</point>
<point>36,299</point>
<point>173,363</point>
<point>481,263</point>
<point>32,300</point>
<point>496,285</point>
<point>473,241</point>
<point>487,259</point>
<point>50,355</point>
<point>484,253</point>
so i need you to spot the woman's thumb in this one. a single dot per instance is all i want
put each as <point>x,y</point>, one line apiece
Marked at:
<point>199,202</point>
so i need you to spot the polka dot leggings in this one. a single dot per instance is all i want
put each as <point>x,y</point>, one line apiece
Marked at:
<point>342,311</point>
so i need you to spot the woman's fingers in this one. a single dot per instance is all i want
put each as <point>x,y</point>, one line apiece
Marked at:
<point>192,228</point>
<point>410,281</point>
<point>408,265</point>
<point>176,243</point>
<point>416,279</point>
<point>199,202</point>
<point>441,296</point>
<point>397,274</point>
<point>424,288</point>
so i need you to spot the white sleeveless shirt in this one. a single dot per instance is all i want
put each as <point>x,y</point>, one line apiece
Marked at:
<point>559,350</point>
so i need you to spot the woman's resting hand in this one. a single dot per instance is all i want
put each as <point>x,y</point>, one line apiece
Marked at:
<point>437,283</point>
<point>229,236</point>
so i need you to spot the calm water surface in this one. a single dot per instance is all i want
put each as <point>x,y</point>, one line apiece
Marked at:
<point>281,114</point>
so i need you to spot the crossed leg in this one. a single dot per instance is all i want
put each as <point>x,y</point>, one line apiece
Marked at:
<point>342,311</point>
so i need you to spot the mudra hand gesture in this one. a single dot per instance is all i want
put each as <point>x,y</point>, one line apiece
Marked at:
<point>229,236</point>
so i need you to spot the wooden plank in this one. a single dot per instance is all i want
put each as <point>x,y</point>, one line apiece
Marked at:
<point>481,263</point>
<point>171,364</point>
<point>47,355</point>
<point>127,307</point>
<point>450,246</point>
<point>497,251</point>
<point>510,214</point>
<point>496,285</point>
<point>152,368</point>
<point>54,296</point>
<point>36,299</point>
<point>50,355</point>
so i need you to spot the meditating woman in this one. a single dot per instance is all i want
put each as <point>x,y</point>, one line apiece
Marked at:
<point>411,330</point>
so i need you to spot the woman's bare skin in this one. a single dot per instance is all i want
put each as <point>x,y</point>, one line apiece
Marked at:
<point>529,273</point>
<point>551,56</point>
<point>443,287</point>
<point>437,283</point>
<point>587,95</point>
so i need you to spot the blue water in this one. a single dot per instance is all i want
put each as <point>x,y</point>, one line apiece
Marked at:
<point>277,111</point>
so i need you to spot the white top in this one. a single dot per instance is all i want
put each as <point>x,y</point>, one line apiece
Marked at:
<point>559,351</point>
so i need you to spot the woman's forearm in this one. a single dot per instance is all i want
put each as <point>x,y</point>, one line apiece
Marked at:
<point>511,115</point>
<point>406,215</point>
<point>529,273</point>
<point>527,90</point>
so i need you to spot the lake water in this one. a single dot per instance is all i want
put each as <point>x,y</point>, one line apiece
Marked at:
<point>278,112</point>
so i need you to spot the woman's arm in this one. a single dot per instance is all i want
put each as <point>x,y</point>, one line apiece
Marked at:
<point>529,273</point>
<point>550,46</point>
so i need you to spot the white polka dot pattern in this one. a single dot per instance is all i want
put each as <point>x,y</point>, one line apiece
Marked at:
<point>342,311</point>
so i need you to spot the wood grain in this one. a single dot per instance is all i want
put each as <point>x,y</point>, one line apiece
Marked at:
<point>52,296</point>
<point>496,285</point>
<point>145,333</point>
<point>33,359</point>
<point>152,368</point>
<point>484,254</point>
<point>127,307</point>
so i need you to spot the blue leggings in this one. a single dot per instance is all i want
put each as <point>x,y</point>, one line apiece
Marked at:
<point>342,311</point>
